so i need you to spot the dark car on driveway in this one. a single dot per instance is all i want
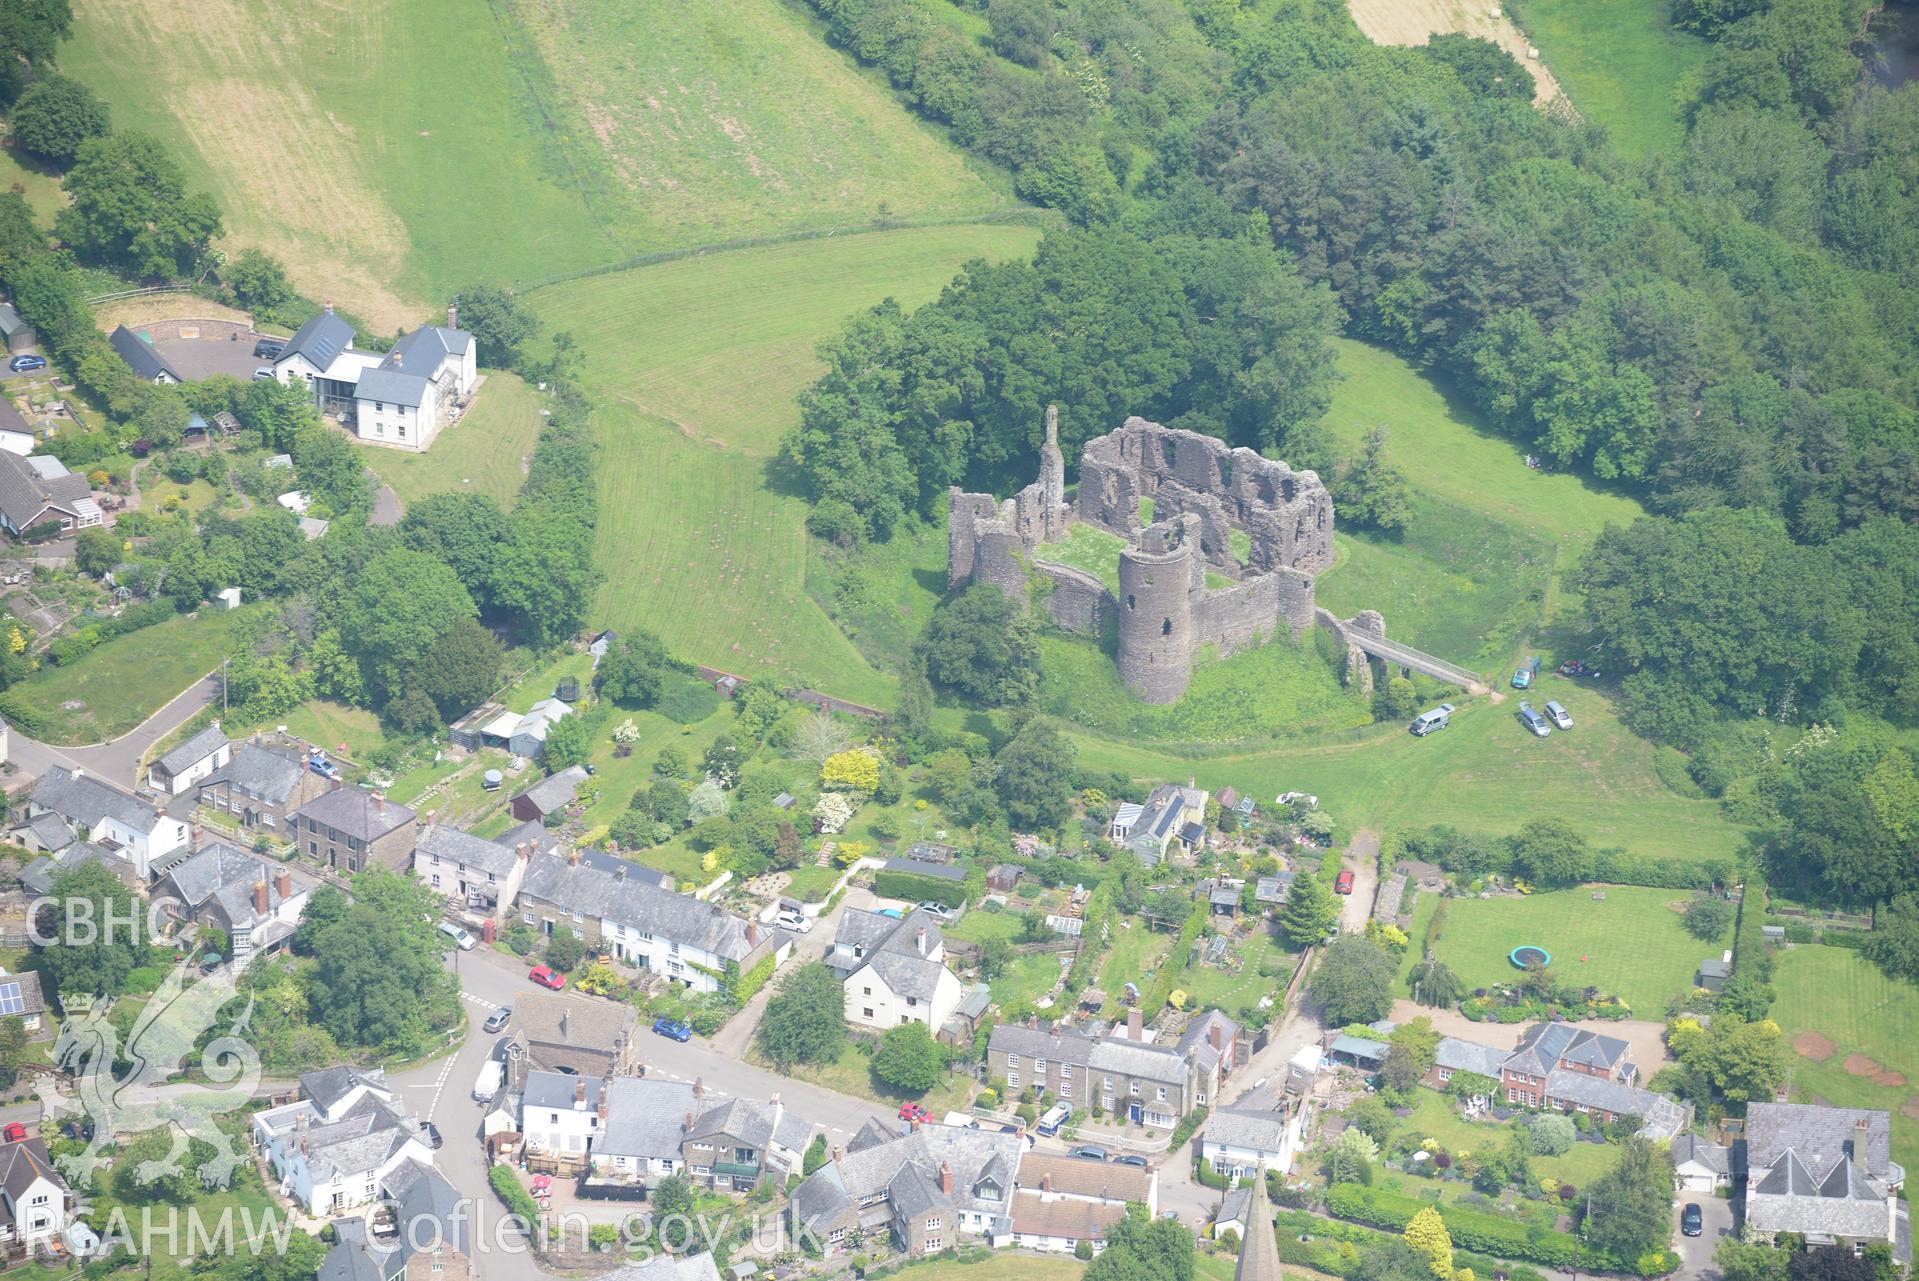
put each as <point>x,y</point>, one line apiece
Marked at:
<point>25,364</point>
<point>267,349</point>
<point>1692,1221</point>
<point>432,1132</point>
<point>673,1028</point>
<point>1130,1159</point>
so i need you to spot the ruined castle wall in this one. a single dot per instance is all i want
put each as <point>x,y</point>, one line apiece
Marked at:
<point>1238,617</point>
<point>964,513</point>
<point>1157,640</point>
<point>1078,602</point>
<point>1000,558</point>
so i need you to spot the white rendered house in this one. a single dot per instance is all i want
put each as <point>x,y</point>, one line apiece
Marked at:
<point>400,398</point>
<point>894,971</point>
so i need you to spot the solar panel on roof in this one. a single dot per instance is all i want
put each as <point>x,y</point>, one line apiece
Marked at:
<point>10,999</point>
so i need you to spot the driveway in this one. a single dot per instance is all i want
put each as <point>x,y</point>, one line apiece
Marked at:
<point>734,1039</point>
<point>1362,860</point>
<point>1695,1253</point>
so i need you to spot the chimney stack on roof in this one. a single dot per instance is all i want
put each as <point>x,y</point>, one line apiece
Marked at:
<point>1135,1025</point>
<point>946,1178</point>
<point>752,933</point>
<point>686,1123</point>
<point>619,873</point>
<point>836,1154</point>
<point>1046,1182</point>
<point>699,1088</point>
<point>1860,1128</point>
<point>283,882</point>
<point>524,849</point>
<point>1214,1035</point>
<point>573,856</point>
<point>329,306</point>
<point>379,803</point>
<point>919,940</point>
<point>260,896</point>
<point>579,1091</point>
<point>452,315</point>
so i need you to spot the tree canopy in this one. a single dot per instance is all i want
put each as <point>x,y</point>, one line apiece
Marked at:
<point>805,1021</point>
<point>1354,981</point>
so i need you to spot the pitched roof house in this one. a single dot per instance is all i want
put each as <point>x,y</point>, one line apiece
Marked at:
<point>32,495</point>
<point>1059,1201</point>
<point>483,875</point>
<point>1151,1084</point>
<point>137,350</point>
<point>587,1036</point>
<point>1171,815</point>
<point>549,795</point>
<point>928,1189</point>
<point>150,841</point>
<point>35,1202</point>
<point>1569,1068</point>
<point>733,1145</point>
<point>429,1236</point>
<point>1824,1172</point>
<point>351,830</point>
<point>226,889</point>
<point>261,786</point>
<point>190,762</point>
<point>894,970</point>
<point>401,398</point>
<point>331,1150</point>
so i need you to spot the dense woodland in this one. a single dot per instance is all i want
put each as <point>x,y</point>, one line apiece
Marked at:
<point>1730,333</point>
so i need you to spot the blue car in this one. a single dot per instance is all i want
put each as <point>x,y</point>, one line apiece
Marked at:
<point>22,364</point>
<point>673,1028</point>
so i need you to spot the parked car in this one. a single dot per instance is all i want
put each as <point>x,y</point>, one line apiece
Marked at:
<point>548,977</point>
<point>914,1112</point>
<point>1523,677</point>
<point>432,1133</point>
<point>24,364</point>
<point>673,1028</point>
<point>893,912</point>
<point>1559,715</point>
<point>460,938</point>
<point>498,1019</point>
<point>1139,1162</point>
<point>938,911</point>
<point>1533,721</point>
<point>797,922</point>
<point>267,349</point>
<point>1344,885</point>
<point>263,374</point>
<point>1089,1152</point>
<point>1426,722</point>
<point>1692,1221</point>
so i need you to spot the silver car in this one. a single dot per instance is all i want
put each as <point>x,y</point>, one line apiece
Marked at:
<point>1533,721</point>
<point>1559,715</point>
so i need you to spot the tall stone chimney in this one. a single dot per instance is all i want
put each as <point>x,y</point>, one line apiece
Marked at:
<point>579,1091</point>
<point>260,896</point>
<point>452,315</point>
<point>946,1178</point>
<point>1217,1037</point>
<point>1860,1129</point>
<point>283,882</point>
<point>379,803</point>
<point>686,1123</point>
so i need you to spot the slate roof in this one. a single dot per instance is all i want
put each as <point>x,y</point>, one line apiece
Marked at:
<point>1198,1038</point>
<point>354,1256</point>
<point>1544,1046</point>
<point>1233,1207</point>
<point>217,868</point>
<point>10,321</point>
<point>362,1140</point>
<point>871,1133</point>
<point>391,385</point>
<point>1246,1128</point>
<point>643,1117</point>
<point>85,800</point>
<point>23,1162</point>
<point>25,493</point>
<point>193,751</point>
<point>907,1169</point>
<point>1109,1054</point>
<point>451,845</point>
<point>634,903</point>
<point>1659,1115</point>
<point>557,791</point>
<point>1691,1148</point>
<point>1274,888</point>
<point>561,1018</point>
<point>919,867</point>
<point>892,948</point>
<point>758,1124</point>
<point>38,875</point>
<point>328,1086</point>
<point>356,813</point>
<point>260,771</point>
<point>1457,1055</point>
<point>51,831</point>
<point>560,1090</point>
<point>1259,1246</point>
<point>1822,1136</point>
<point>421,1195</point>
<point>140,356</point>
<point>321,340</point>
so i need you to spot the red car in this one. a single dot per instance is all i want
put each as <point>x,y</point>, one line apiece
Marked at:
<point>1344,885</point>
<point>914,1112</point>
<point>547,976</point>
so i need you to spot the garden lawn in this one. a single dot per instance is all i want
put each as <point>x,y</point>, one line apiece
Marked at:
<point>420,145</point>
<point>128,678</point>
<point>1837,994</point>
<point>1003,1265</point>
<point>852,1074</point>
<point>1484,773</point>
<point>1133,955</point>
<point>1632,944</point>
<point>1621,62</point>
<point>40,185</point>
<point>1434,1115</point>
<point>881,594</point>
<point>1424,905</point>
<point>1027,979</point>
<point>979,925</point>
<point>1236,990</point>
<point>486,452</point>
<point>695,366</point>
<point>329,724</point>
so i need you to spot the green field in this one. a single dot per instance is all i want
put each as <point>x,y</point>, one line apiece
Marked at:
<point>1483,774</point>
<point>40,186</point>
<point>1838,994</point>
<point>1631,945</point>
<point>1620,62</point>
<point>695,365</point>
<point>1278,688</point>
<point>392,151</point>
<point>1087,548</point>
<point>486,452</point>
<point>128,679</point>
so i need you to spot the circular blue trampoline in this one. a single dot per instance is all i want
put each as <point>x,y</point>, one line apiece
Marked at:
<point>1526,955</point>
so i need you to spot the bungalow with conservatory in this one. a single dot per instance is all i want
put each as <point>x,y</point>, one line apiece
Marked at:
<point>400,398</point>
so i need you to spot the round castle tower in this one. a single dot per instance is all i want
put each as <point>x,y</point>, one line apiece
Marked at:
<point>1157,576</point>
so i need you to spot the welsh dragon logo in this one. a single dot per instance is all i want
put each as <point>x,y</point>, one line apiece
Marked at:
<point>146,1095</point>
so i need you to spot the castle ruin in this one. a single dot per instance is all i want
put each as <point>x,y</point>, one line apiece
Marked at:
<point>1164,612</point>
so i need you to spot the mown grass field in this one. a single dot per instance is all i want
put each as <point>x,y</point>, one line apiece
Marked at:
<point>130,678</point>
<point>1448,452</point>
<point>486,452</point>
<point>1839,995</point>
<point>40,186</point>
<point>1483,774</point>
<point>695,366</point>
<point>1621,62</point>
<point>392,151</point>
<point>1632,944</point>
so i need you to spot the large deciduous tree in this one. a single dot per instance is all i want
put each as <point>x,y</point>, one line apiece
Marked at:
<point>131,209</point>
<point>1354,981</point>
<point>805,1021</point>
<point>54,116</point>
<point>981,645</point>
<point>1629,1207</point>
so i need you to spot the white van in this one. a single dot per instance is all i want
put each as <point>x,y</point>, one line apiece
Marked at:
<point>1055,1117</point>
<point>459,936</point>
<point>1426,722</point>
<point>487,1084</point>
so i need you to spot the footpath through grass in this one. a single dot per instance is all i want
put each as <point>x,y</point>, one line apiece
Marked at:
<point>1631,944</point>
<point>486,452</point>
<point>1621,62</point>
<point>1855,1036</point>
<point>695,366</point>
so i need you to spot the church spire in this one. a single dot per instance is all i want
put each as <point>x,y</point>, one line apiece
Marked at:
<point>1259,1247</point>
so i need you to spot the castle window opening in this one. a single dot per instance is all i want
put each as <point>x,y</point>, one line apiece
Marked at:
<point>1166,627</point>
<point>1129,603</point>
<point>1167,452</point>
